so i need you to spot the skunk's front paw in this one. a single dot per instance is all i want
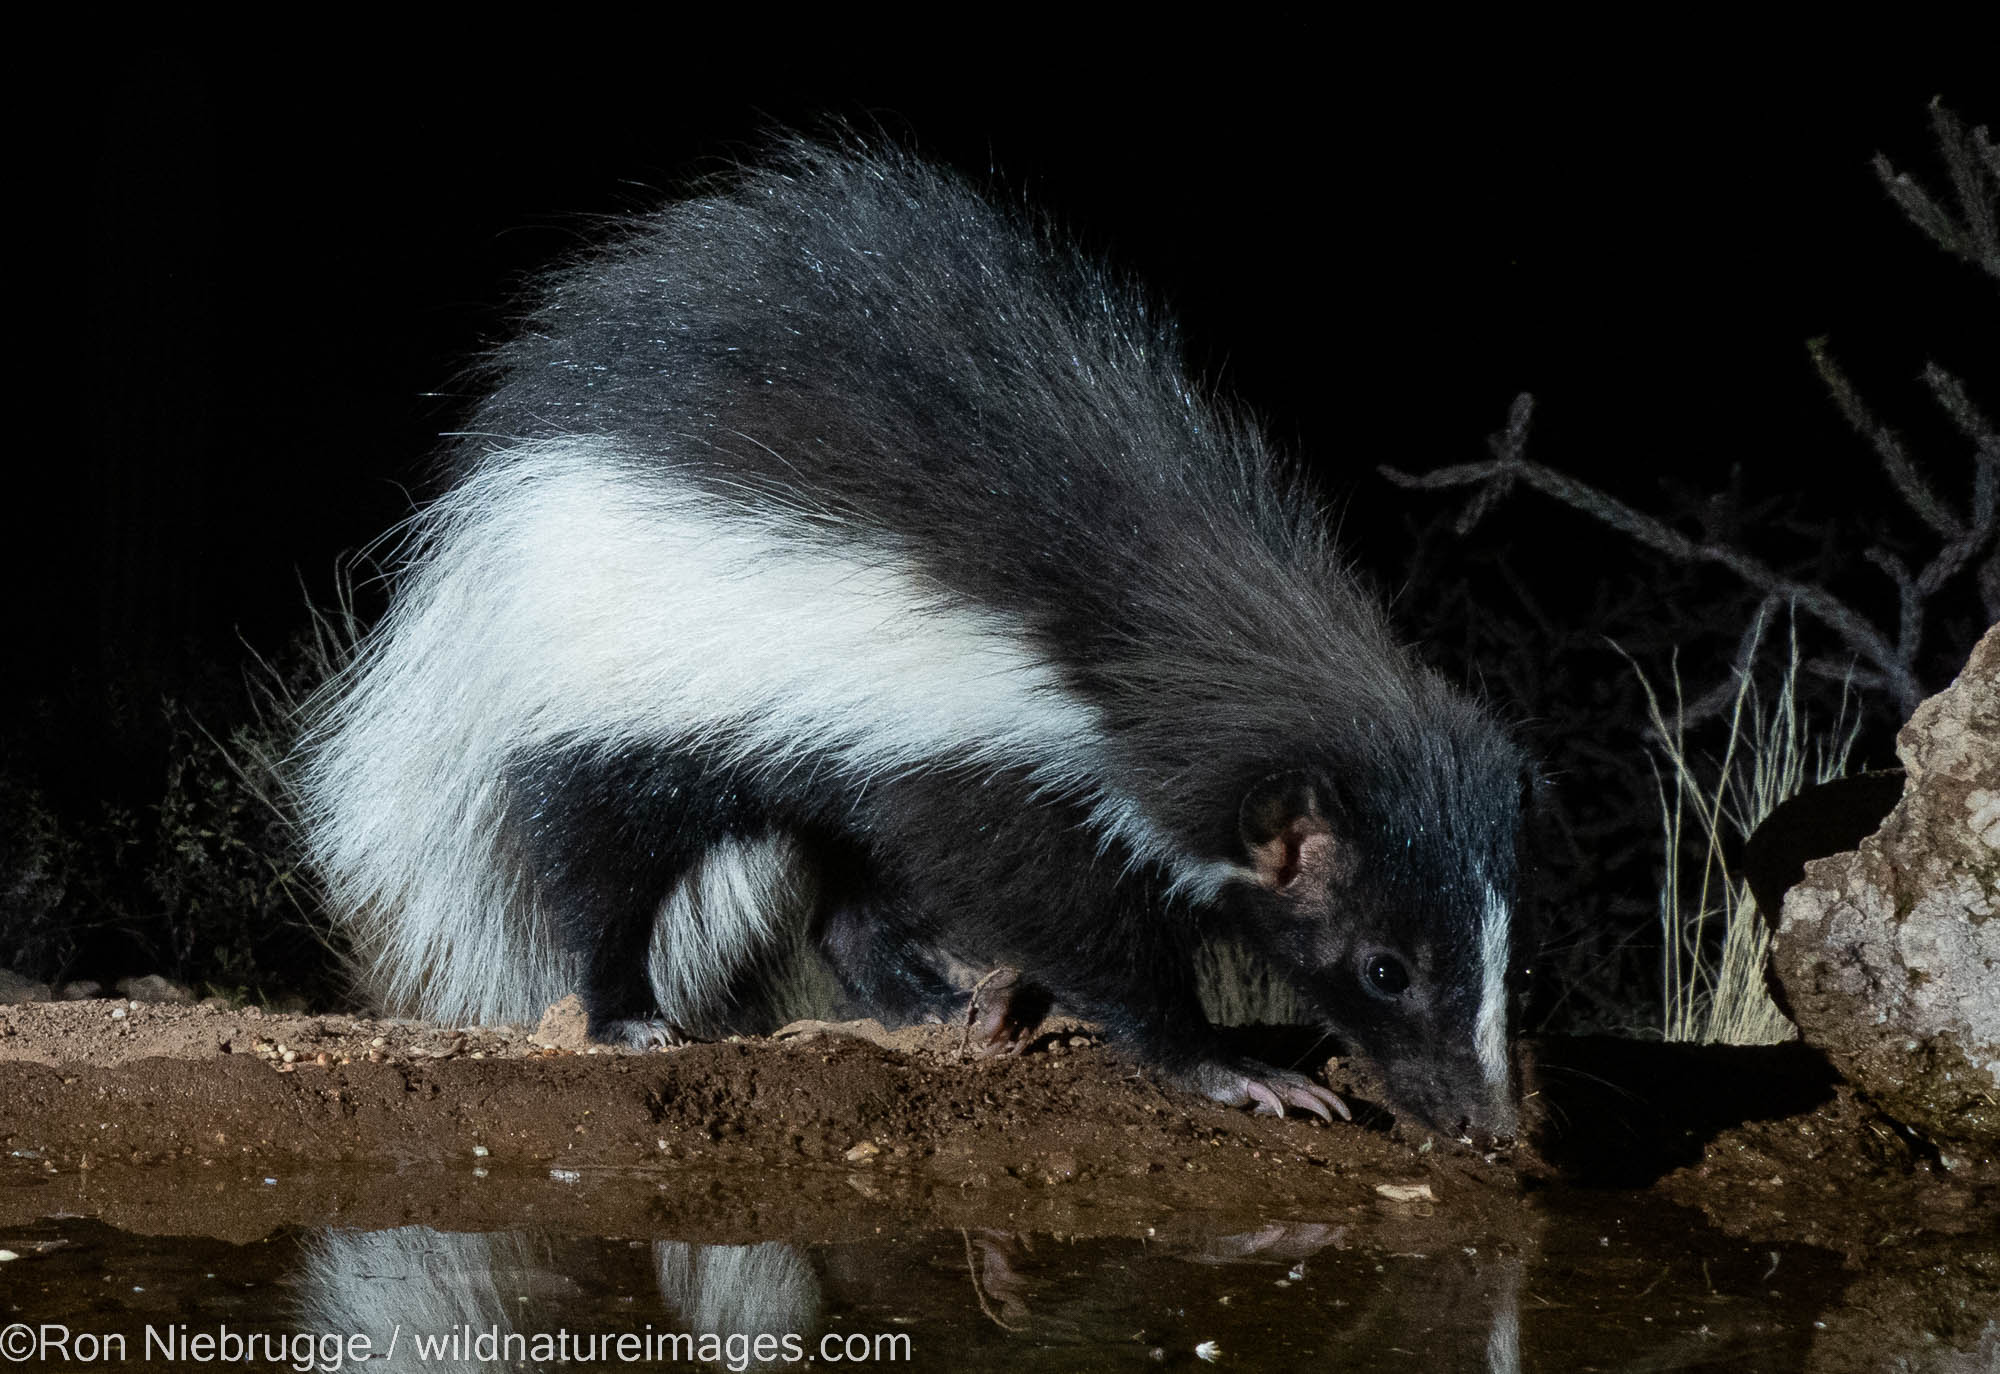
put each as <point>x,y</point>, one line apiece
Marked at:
<point>1268,1091</point>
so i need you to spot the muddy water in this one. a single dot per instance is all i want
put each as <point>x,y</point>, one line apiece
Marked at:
<point>176,1182</point>
<point>1586,1280</point>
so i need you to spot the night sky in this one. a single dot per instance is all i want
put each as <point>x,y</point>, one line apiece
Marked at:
<point>283,270</point>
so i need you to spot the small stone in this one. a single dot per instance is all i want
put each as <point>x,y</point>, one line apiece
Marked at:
<point>153,988</point>
<point>862,1152</point>
<point>15,988</point>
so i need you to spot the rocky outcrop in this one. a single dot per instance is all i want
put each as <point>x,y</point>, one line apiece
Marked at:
<point>1889,957</point>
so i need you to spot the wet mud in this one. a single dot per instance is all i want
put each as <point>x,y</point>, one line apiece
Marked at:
<point>1718,1208</point>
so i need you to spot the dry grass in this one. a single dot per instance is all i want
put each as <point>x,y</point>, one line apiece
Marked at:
<point>1238,990</point>
<point>1715,940</point>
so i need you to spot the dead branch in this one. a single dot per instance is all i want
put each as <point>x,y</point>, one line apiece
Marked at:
<point>1971,231</point>
<point>1973,163</point>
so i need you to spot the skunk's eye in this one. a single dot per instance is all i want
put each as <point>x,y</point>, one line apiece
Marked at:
<point>1385,975</point>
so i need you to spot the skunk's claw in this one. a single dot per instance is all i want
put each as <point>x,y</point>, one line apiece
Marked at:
<point>641,1033</point>
<point>1267,1091</point>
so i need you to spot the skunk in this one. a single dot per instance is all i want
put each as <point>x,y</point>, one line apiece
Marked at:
<point>839,557</point>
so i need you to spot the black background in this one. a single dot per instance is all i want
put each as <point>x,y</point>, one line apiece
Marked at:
<point>282,263</point>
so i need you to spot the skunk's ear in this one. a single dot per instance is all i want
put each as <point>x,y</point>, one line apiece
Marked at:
<point>1284,830</point>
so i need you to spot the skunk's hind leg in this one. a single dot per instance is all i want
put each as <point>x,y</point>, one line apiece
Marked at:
<point>664,882</point>
<point>890,959</point>
<point>880,947</point>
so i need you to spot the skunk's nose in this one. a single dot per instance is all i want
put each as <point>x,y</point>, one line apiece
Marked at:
<point>1486,1132</point>
<point>1488,1117</point>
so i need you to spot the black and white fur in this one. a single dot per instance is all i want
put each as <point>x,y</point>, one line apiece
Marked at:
<point>836,552</point>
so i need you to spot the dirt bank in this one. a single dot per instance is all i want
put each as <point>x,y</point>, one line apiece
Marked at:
<point>94,1089</point>
<point>140,1113</point>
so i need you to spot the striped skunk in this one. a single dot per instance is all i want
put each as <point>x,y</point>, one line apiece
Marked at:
<point>836,553</point>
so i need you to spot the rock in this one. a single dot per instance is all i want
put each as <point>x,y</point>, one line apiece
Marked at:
<point>80,991</point>
<point>152,988</point>
<point>564,1026</point>
<point>1889,957</point>
<point>15,988</point>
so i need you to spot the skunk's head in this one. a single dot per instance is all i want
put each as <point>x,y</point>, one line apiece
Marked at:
<point>1385,891</point>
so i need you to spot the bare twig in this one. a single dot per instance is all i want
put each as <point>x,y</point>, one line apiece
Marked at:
<point>1985,523</point>
<point>1903,474</point>
<point>1509,467</point>
<point>1886,662</point>
<point>1973,164</point>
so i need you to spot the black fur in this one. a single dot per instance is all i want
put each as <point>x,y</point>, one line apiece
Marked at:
<point>918,379</point>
